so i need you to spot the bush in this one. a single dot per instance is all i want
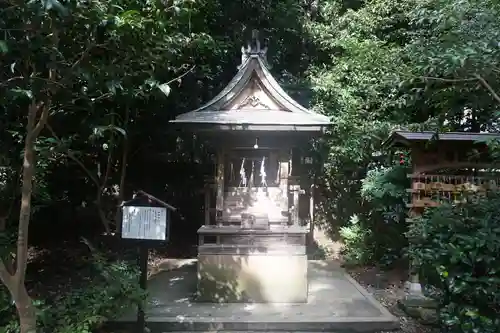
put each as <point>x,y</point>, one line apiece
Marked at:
<point>355,251</point>
<point>376,236</point>
<point>462,245</point>
<point>113,290</point>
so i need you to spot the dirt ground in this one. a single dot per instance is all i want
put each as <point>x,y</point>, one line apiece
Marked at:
<point>386,286</point>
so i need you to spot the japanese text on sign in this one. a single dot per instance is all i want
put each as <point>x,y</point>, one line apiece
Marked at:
<point>149,223</point>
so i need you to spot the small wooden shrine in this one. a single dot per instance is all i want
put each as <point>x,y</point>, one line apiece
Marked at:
<point>445,167</point>
<point>252,246</point>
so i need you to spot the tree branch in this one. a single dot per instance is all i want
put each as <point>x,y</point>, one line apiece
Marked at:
<point>82,56</point>
<point>428,78</point>
<point>11,79</point>
<point>32,112</point>
<point>72,156</point>
<point>109,161</point>
<point>182,75</point>
<point>42,121</point>
<point>476,77</point>
<point>100,189</point>
<point>31,78</point>
<point>488,87</point>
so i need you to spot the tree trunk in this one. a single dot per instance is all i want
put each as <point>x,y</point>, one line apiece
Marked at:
<point>26,311</point>
<point>13,276</point>
<point>123,173</point>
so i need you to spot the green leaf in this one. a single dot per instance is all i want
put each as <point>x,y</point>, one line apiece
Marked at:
<point>114,85</point>
<point>3,46</point>
<point>99,130</point>
<point>57,6</point>
<point>118,129</point>
<point>22,92</point>
<point>129,14</point>
<point>165,88</point>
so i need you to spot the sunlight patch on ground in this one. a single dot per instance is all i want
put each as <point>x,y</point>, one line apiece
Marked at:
<point>167,265</point>
<point>332,248</point>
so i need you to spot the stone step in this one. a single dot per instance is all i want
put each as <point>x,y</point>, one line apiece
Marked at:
<point>219,331</point>
<point>349,326</point>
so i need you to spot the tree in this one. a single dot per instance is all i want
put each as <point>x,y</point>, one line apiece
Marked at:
<point>424,65</point>
<point>355,85</point>
<point>60,60</point>
<point>453,56</point>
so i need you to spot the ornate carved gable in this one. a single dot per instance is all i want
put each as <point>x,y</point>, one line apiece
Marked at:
<point>252,102</point>
<point>253,97</point>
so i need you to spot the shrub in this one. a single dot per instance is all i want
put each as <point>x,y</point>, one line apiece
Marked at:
<point>377,234</point>
<point>355,251</point>
<point>461,243</point>
<point>113,289</point>
<point>384,189</point>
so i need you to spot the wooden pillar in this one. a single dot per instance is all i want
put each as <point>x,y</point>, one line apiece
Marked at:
<point>294,188</point>
<point>413,286</point>
<point>295,212</point>
<point>317,165</point>
<point>273,176</point>
<point>284,170</point>
<point>219,204</point>
<point>310,234</point>
<point>208,190</point>
<point>311,208</point>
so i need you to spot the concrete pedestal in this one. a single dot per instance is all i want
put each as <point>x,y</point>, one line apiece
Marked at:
<point>271,270</point>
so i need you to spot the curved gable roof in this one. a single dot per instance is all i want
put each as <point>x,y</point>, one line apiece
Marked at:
<point>254,97</point>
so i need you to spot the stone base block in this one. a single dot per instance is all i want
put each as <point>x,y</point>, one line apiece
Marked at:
<point>412,301</point>
<point>252,278</point>
<point>422,308</point>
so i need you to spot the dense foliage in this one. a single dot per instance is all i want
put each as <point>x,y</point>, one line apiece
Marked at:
<point>378,234</point>
<point>421,65</point>
<point>416,64</point>
<point>114,290</point>
<point>460,244</point>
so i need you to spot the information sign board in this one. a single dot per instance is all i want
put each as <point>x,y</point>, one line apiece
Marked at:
<point>144,223</point>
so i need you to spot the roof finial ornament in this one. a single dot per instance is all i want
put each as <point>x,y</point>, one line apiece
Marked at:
<point>253,49</point>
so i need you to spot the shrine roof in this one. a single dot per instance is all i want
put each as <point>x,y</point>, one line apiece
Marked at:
<point>405,138</point>
<point>253,99</point>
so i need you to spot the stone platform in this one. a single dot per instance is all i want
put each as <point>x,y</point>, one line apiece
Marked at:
<point>336,303</point>
<point>252,265</point>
